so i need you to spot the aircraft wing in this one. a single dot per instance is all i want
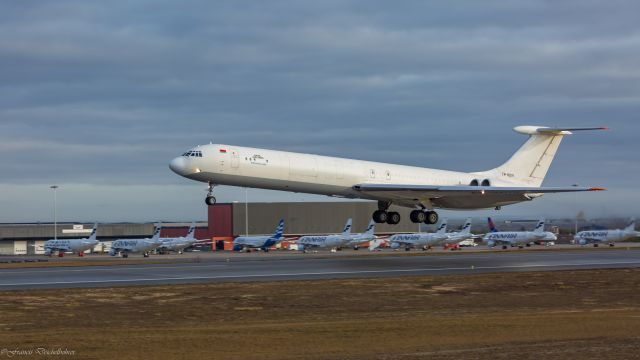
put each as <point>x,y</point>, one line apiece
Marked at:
<point>459,196</point>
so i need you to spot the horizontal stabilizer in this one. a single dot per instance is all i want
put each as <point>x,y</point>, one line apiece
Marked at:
<point>472,189</point>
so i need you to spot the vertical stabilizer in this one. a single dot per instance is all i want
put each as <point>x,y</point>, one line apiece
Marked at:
<point>347,228</point>
<point>443,227</point>
<point>529,165</point>
<point>156,231</point>
<point>371,228</point>
<point>192,231</point>
<point>492,226</point>
<point>466,229</point>
<point>540,226</point>
<point>93,232</point>
<point>279,229</point>
<point>632,226</point>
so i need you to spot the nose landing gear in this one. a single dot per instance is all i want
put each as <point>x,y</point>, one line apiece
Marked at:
<point>210,199</point>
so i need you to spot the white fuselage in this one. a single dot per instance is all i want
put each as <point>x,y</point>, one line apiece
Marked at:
<point>324,241</point>
<point>356,239</point>
<point>456,237</point>
<point>604,236</point>
<point>71,245</point>
<point>517,238</point>
<point>314,174</point>
<point>176,244</point>
<point>134,245</point>
<point>254,242</point>
<point>419,239</point>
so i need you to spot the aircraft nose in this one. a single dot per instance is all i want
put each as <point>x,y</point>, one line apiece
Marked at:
<point>178,165</point>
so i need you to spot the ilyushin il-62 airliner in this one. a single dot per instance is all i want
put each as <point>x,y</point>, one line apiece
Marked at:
<point>423,189</point>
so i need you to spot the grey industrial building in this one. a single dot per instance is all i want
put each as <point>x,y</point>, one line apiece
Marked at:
<point>224,221</point>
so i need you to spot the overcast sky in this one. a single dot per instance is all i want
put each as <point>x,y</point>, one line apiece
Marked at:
<point>99,96</point>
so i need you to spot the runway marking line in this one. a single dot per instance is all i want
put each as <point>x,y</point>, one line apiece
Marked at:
<point>468,268</point>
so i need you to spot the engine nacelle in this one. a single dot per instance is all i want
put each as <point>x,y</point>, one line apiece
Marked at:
<point>47,252</point>
<point>112,252</point>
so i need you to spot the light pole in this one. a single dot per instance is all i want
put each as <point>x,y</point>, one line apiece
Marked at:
<point>55,215</point>
<point>246,211</point>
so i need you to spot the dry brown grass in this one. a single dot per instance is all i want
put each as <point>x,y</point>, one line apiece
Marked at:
<point>590,314</point>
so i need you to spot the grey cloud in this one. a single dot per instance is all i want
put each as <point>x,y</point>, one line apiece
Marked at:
<point>107,94</point>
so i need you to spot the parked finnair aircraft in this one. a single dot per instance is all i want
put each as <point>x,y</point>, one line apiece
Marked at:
<point>259,242</point>
<point>462,235</point>
<point>178,244</point>
<point>517,180</point>
<point>326,241</point>
<point>517,238</point>
<point>71,245</point>
<point>357,239</point>
<point>416,240</point>
<point>596,237</point>
<point>144,246</point>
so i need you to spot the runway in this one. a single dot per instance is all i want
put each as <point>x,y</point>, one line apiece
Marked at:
<point>278,268</point>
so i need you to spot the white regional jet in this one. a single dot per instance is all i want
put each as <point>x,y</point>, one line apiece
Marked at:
<point>71,245</point>
<point>144,246</point>
<point>367,235</point>
<point>259,242</point>
<point>517,238</point>
<point>596,237</point>
<point>334,241</point>
<point>178,244</point>
<point>517,180</point>
<point>424,240</point>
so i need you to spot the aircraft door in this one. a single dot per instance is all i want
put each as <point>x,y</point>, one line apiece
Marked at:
<point>235,159</point>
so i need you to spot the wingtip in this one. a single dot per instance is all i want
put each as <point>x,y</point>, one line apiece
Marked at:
<point>597,189</point>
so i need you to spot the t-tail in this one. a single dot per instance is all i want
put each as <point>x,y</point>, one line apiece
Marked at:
<point>529,165</point>
<point>492,226</point>
<point>192,231</point>
<point>347,228</point>
<point>443,227</point>
<point>279,229</point>
<point>93,232</point>
<point>156,231</point>
<point>371,228</point>
<point>540,226</point>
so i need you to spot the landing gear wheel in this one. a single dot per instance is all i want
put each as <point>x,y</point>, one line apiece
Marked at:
<point>431,217</point>
<point>210,200</point>
<point>418,216</point>
<point>595,245</point>
<point>504,247</point>
<point>393,218</point>
<point>380,216</point>
<point>125,255</point>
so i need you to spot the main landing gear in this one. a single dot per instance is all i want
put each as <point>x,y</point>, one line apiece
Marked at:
<point>210,199</point>
<point>382,215</point>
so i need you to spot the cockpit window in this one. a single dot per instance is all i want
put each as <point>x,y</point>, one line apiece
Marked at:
<point>193,153</point>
